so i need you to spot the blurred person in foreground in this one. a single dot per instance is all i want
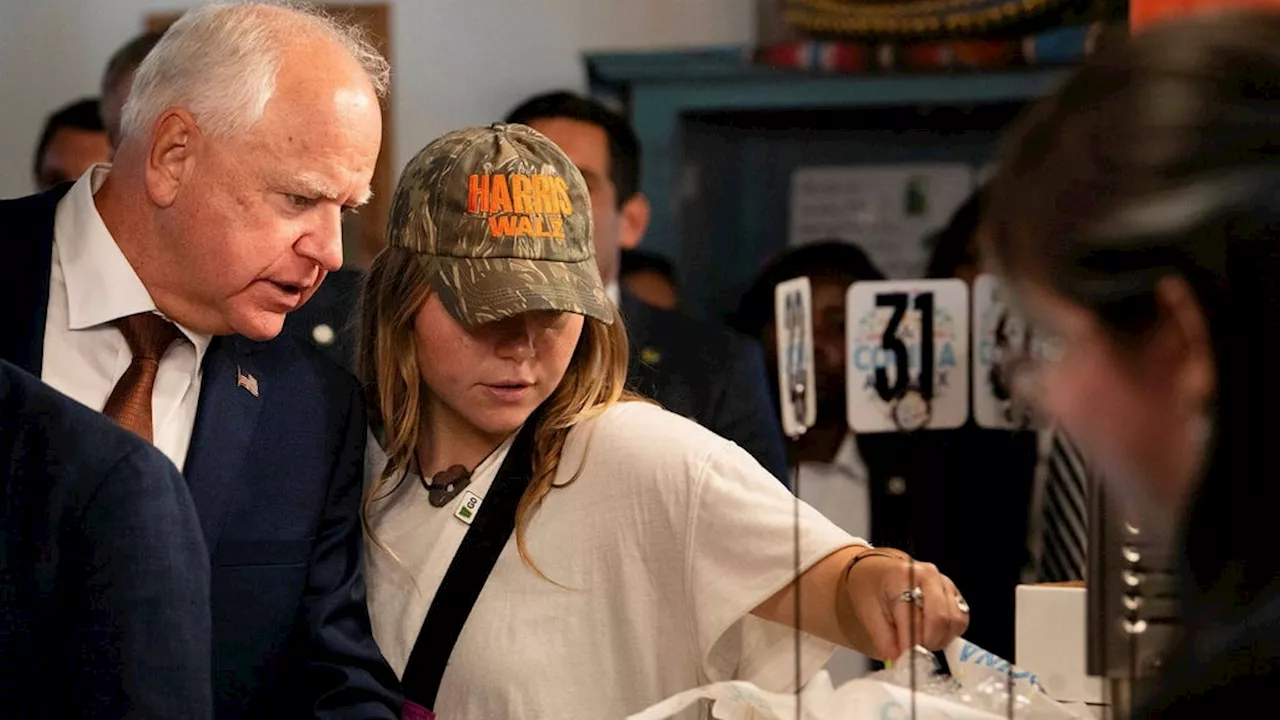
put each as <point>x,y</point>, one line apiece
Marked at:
<point>1135,213</point>
<point>697,369</point>
<point>71,141</point>
<point>104,588</point>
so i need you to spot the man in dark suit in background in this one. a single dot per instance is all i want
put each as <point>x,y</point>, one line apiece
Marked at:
<point>650,277</point>
<point>327,321</point>
<point>696,369</point>
<point>104,576</point>
<point>72,139</point>
<point>155,289</point>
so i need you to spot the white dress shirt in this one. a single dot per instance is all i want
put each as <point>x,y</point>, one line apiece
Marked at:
<point>91,284</point>
<point>611,291</point>
<point>841,491</point>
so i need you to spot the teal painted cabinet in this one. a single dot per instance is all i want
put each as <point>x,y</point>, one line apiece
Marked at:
<point>722,137</point>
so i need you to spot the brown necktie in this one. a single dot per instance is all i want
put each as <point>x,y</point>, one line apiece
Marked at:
<point>148,335</point>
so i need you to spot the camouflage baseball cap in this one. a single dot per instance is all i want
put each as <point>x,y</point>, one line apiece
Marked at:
<point>502,221</point>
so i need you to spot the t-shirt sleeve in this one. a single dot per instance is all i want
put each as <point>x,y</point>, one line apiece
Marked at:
<point>741,551</point>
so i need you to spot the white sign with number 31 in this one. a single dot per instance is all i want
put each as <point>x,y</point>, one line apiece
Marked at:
<point>908,362</point>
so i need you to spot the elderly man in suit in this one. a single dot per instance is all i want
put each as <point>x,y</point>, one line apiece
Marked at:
<point>104,580</point>
<point>325,322</point>
<point>154,290</point>
<point>699,370</point>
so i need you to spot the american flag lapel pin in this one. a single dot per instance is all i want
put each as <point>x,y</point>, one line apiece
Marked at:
<point>247,381</point>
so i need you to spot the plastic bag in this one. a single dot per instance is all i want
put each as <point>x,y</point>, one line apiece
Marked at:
<point>977,690</point>
<point>979,680</point>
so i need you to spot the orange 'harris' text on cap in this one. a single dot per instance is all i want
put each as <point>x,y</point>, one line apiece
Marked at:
<point>521,205</point>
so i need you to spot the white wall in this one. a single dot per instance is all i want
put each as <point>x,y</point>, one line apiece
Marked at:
<point>455,62</point>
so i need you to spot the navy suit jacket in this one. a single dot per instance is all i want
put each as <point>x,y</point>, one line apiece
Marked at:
<point>327,322</point>
<point>708,373</point>
<point>104,576</point>
<point>276,477</point>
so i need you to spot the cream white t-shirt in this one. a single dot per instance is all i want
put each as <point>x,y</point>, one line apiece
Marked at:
<point>665,543</point>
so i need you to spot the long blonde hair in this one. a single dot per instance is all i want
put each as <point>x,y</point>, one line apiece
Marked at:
<point>393,291</point>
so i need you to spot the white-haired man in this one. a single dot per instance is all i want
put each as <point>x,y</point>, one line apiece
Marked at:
<point>154,290</point>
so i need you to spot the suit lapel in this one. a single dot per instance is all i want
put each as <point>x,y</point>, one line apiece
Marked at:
<point>635,316</point>
<point>232,393</point>
<point>642,375</point>
<point>24,276</point>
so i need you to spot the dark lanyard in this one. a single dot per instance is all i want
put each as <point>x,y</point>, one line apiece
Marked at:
<point>468,572</point>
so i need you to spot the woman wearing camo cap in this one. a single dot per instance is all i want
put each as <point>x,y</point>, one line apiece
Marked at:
<point>609,554</point>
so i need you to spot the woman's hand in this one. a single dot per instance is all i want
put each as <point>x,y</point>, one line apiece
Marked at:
<point>877,600</point>
<point>854,597</point>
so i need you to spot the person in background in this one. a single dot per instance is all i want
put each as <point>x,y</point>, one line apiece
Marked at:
<point>954,247</point>
<point>154,289</point>
<point>104,594</point>
<point>71,141</point>
<point>696,369</point>
<point>650,277</point>
<point>643,555</point>
<point>1140,238</point>
<point>117,78</point>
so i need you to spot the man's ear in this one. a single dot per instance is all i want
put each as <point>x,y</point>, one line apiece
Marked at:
<point>170,160</point>
<point>1187,331</point>
<point>635,221</point>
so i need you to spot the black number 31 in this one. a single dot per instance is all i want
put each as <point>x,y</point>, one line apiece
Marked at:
<point>893,344</point>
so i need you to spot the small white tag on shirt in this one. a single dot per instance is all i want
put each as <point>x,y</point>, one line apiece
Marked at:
<point>468,508</point>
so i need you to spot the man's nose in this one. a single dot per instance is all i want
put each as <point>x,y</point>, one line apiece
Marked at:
<point>322,243</point>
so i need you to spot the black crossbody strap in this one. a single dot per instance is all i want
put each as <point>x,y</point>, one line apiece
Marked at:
<point>492,527</point>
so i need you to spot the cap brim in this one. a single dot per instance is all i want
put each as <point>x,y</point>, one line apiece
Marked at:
<point>480,290</point>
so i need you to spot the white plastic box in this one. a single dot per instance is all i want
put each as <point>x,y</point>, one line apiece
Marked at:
<point>1049,640</point>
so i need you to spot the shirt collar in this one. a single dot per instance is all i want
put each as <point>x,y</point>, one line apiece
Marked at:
<point>611,290</point>
<point>101,284</point>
